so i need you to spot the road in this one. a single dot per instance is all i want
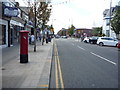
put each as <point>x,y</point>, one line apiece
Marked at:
<point>80,65</point>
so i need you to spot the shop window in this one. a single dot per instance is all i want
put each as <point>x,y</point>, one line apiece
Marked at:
<point>2,35</point>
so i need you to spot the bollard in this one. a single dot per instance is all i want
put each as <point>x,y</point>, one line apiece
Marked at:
<point>24,46</point>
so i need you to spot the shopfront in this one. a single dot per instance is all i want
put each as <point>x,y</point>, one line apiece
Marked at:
<point>6,34</point>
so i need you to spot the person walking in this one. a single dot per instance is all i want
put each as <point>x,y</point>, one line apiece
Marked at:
<point>29,39</point>
<point>32,39</point>
<point>40,37</point>
<point>43,36</point>
<point>82,37</point>
<point>47,36</point>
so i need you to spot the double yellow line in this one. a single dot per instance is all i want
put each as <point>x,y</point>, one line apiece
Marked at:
<point>58,73</point>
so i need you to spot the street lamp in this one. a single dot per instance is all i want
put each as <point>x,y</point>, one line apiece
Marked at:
<point>35,26</point>
<point>110,16</point>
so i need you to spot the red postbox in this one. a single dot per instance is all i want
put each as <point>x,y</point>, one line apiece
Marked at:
<point>24,46</point>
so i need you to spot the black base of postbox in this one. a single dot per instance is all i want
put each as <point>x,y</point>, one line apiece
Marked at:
<point>24,58</point>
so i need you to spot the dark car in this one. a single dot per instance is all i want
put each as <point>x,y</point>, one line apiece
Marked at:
<point>93,40</point>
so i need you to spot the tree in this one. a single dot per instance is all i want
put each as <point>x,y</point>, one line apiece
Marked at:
<point>71,30</point>
<point>115,21</point>
<point>97,31</point>
<point>43,14</point>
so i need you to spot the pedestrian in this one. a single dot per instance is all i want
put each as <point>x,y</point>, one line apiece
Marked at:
<point>32,39</point>
<point>40,38</point>
<point>29,39</point>
<point>43,36</point>
<point>82,38</point>
<point>47,36</point>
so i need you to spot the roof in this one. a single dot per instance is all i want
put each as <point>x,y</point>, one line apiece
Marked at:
<point>107,12</point>
<point>82,29</point>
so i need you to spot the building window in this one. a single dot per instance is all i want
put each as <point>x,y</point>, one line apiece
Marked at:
<point>107,22</point>
<point>107,33</point>
<point>3,35</point>
<point>0,35</point>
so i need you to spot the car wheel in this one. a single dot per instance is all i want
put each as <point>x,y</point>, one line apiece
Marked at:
<point>116,44</point>
<point>85,41</point>
<point>101,44</point>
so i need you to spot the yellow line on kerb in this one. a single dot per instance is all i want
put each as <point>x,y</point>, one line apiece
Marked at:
<point>44,85</point>
<point>59,68</point>
<point>56,69</point>
<point>56,74</point>
<point>61,79</point>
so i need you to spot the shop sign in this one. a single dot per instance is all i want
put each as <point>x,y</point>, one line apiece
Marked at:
<point>11,11</point>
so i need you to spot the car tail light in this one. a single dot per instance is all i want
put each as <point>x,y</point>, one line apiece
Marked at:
<point>118,45</point>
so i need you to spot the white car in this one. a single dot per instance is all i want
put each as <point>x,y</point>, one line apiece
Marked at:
<point>86,39</point>
<point>109,41</point>
<point>64,36</point>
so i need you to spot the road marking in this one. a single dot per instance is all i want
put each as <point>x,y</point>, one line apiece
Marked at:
<point>80,47</point>
<point>43,85</point>
<point>58,71</point>
<point>56,74</point>
<point>103,58</point>
<point>61,78</point>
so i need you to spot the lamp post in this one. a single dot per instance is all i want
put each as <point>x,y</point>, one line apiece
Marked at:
<point>110,17</point>
<point>35,26</point>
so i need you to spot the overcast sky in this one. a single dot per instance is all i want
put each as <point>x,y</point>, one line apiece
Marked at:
<point>80,13</point>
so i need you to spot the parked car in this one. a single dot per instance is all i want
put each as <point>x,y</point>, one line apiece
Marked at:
<point>86,39</point>
<point>109,41</point>
<point>57,36</point>
<point>64,36</point>
<point>93,40</point>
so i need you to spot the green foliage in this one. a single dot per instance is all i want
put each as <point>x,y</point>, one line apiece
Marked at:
<point>71,30</point>
<point>115,22</point>
<point>43,14</point>
<point>97,31</point>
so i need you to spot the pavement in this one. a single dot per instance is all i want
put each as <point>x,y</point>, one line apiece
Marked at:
<point>34,74</point>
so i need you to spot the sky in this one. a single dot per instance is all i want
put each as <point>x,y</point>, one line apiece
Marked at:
<point>80,13</point>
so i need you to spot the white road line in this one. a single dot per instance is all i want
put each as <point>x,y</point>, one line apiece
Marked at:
<point>80,47</point>
<point>103,58</point>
